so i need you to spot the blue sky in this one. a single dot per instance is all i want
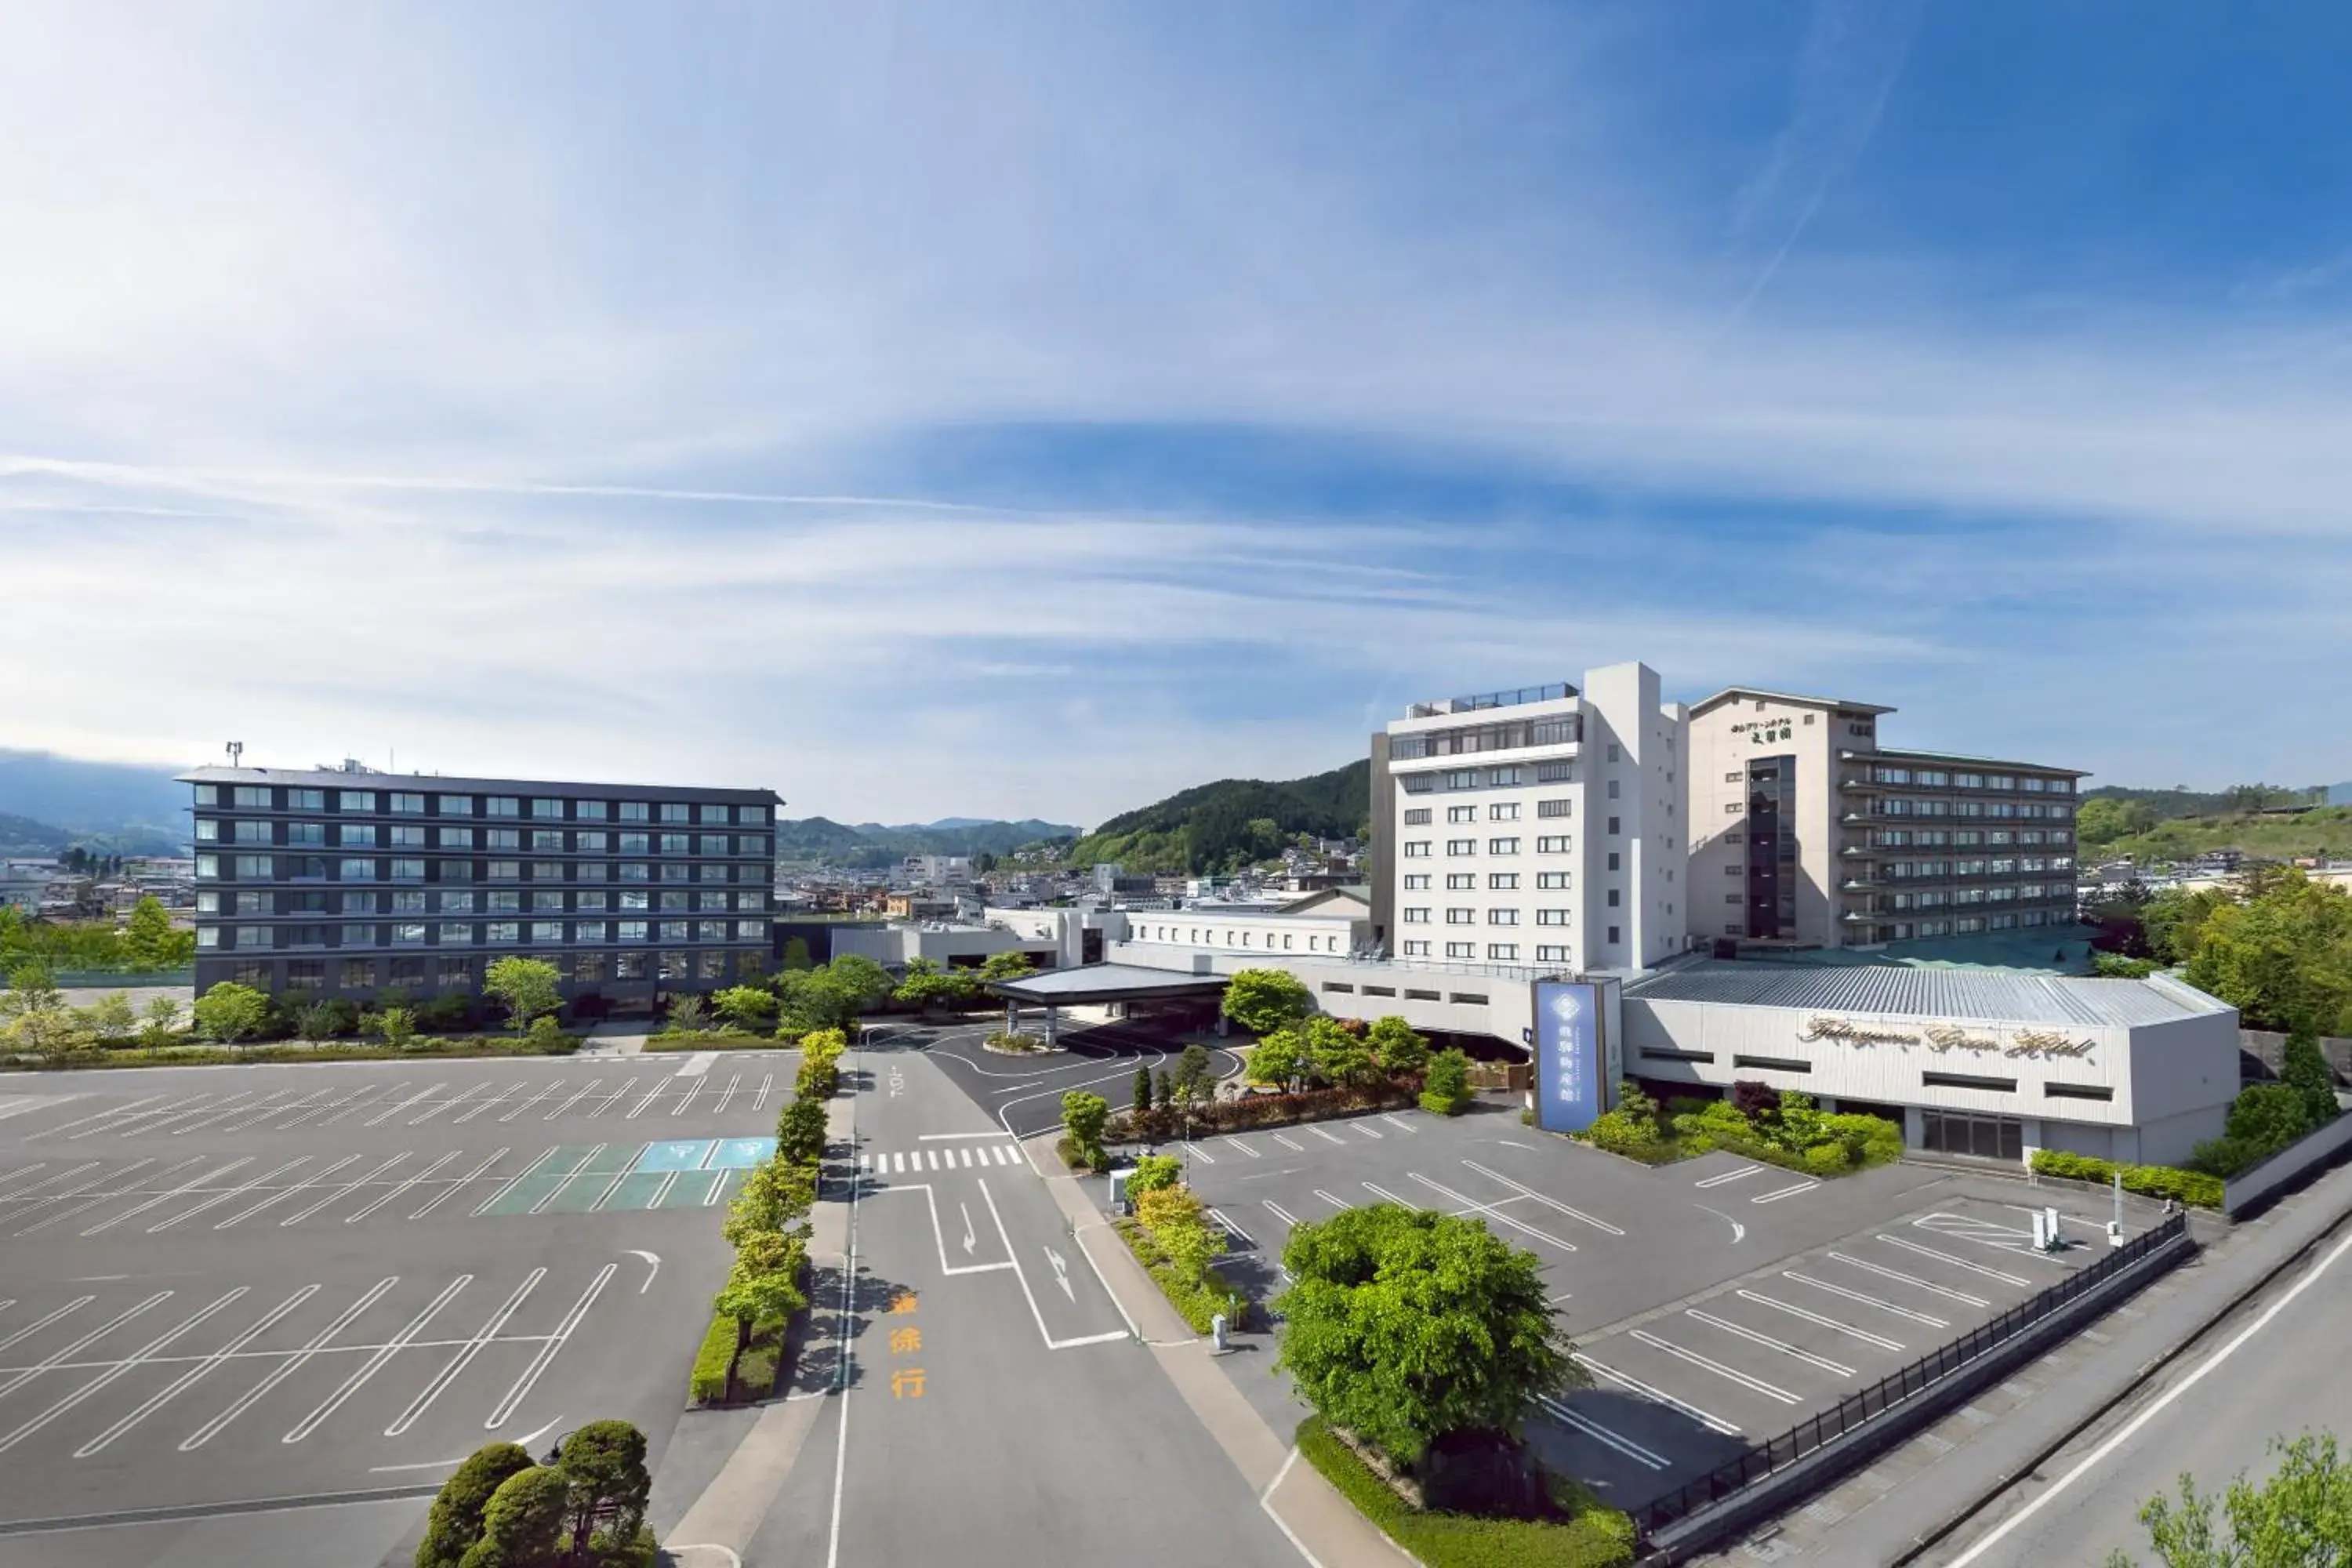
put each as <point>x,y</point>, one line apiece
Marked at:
<point>986,410</point>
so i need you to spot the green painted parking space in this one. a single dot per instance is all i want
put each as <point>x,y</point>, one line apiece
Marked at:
<point>691,1190</point>
<point>636,1191</point>
<point>683,1155</point>
<point>739,1155</point>
<point>543,1179</point>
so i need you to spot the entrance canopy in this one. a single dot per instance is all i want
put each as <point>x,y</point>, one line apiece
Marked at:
<point>1098,983</point>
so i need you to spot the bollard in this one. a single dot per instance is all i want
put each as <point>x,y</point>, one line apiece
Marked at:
<point>1217,1331</point>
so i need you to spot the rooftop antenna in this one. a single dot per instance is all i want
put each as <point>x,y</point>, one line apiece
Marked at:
<point>235,753</point>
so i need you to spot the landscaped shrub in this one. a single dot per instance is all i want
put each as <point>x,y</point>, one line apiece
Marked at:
<point>1197,1298</point>
<point>2150,1181</point>
<point>714,1362</point>
<point>1446,1091</point>
<point>1153,1172</point>
<point>1826,1158</point>
<point>1622,1132</point>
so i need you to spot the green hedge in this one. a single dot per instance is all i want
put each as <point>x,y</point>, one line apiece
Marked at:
<point>1196,1303</point>
<point>712,1362</point>
<point>716,1040</point>
<point>1593,1537</point>
<point>2150,1181</point>
<point>225,1056</point>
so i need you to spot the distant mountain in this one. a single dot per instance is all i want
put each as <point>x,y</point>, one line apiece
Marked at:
<point>93,797</point>
<point>2339,794</point>
<point>1216,826</point>
<point>23,836</point>
<point>870,846</point>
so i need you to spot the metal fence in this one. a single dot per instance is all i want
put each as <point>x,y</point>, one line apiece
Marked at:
<point>1855,1410</point>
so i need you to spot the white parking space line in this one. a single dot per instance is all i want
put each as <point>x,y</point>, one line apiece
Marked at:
<point>1327,1136</point>
<point>767,1080</point>
<point>1787,1192</point>
<point>389,1112</point>
<point>457,1363</point>
<point>158,1115</point>
<point>1293,1148</point>
<point>372,1098</point>
<point>265,1113</point>
<point>726,1094</point>
<point>1335,1200</point>
<point>342,1191</point>
<point>375,1363</point>
<point>1399,1122</point>
<point>1728,1177</point>
<point>195,1373</point>
<point>685,1100</point>
<point>64,1175</point>
<point>1866,1300</point>
<point>29,1330</point>
<point>1927,1285</point>
<point>1283,1215</point>
<point>1237,1144</point>
<point>502,1097</point>
<point>553,1347</point>
<point>445,1194</point>
<point>1230,1229</point>
<point>1544,1199</point>
<point>280,1099</point>
<point>160,1199</point>
<point>438,1105</point>
<point>507,1184</point>
<point>1866,1336</point>
<point>1493,1212</point>
<point>578,1095</point>
<point>105,1115</point>
<point>120,1369</point>
<point>91,1338</point>
<point>228,1195</point>
<point>1768,1343</point>
<point>1707,1363</point>
<point>1712,1422</point>
<point>224,1106</point>
<point>1985,1233</point>
<point>284,1193</point>
<point>1608,1438</point>
<point>532,1102</point>
<point>287,1368</point>
<point>639,1109</point>
<point>1200,1154</point>
<point>1956,1262</point>
<point>90,1203</point>
<point>1366,1128</point>
<point>577,1172</point>
<point>376,1203</point>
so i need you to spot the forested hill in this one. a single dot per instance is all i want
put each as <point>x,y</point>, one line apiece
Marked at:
<point>870,845</point>
<point>1218,827</point>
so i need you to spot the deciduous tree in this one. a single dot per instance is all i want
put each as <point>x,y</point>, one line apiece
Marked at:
<point>456,1520</point>
<point>1011,964</point>
<point>1396,1045</point>
<point>148,940</point>
<point>522,1524</point>
<point>1265,1000</point>
<point>1446,1091</point>
<point>777,1196</point>
<point>1278,1060</point>
<point>1085,1115</point>
<point>608,1486</point>
<point>229,1012</point>
<point>2299,1518</point>
<point>2303,1069</point>
<point>528,987</point>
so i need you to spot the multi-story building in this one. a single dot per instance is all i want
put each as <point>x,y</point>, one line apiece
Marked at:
<point>1541,827</point>
<point>346,883</point>
<point>1807,833</point>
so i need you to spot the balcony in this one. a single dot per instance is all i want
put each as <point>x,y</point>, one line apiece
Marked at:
<point>1852,849</point>
<point>1854,918</point>
<point>1857,884</point>
<point>1516,697</point>
<point>1856,782</point>
<point>1855,817</point>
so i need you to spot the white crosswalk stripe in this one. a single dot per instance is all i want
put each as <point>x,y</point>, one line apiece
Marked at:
<point>961,1157</point>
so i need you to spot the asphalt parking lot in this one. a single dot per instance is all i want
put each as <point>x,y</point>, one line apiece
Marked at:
<point>1714,1303</point>
<point>233,1297</point>
<point>1023,1094</point>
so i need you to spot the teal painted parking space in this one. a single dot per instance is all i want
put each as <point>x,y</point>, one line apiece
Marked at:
<point>582,1195</point>
<point>692,1190</point>
<point>739,1155</point>
<point>684,1156</point>
<point>636,1191</point>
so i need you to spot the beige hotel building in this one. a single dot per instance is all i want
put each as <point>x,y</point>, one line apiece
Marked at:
<point>1805,832</point>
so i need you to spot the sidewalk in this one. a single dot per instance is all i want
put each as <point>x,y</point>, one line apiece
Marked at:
<point>1324,1526</point>
<point>729,1507</point>
<point>1914,1492</point>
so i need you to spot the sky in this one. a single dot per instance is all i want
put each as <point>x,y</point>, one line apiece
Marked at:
<point>1031,409</point>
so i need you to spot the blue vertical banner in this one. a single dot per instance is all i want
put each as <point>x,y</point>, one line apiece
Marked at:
<point>1568,1085</point>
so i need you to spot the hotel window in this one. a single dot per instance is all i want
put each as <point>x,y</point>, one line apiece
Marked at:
<point>588,901</point>
<point>356,975</point>
<point>702,874</point>
<point>456,870</point>
<point>1503,811</point>
<point>1460,879</point>
<point>208,794</point>
<point>408,902</point>
<point>502,805</point>
<point>457,806</point>
<point>547,810</point>
<point>673,843</point>
<point>1560,917</point>
<point>1555,773</point>
<point>252,975</point>
<point>629,966</point>
<point>1502,846</point>
<point>751,844</point>
<point>1559,808</point>
<point>1503,952</point>
<point>547,900</point>
<point>208,903</point>
<point>357,836</point>
<point>1616,753</point>
<point>1613,860</point>
<point>253,797</point>
<point>546,931</point>
<point>751,931</point>
<point>674,900</point>
<point>1461,778</point>
<point>1551,954</point>
<point>1417,784</point>
<point>710,965</point>
<point>1458,916</point>
<point>359,936</point>
<point>208,831</point>
<point>1552,846</point>
<point>588,810</point>
<point>502,902</point>
<point>208,936</point>
<point>710,902</point>
<point>1612,827</point>
<point>673,930</point>
<point>635,811</point>
<point>456,903</point>
<point>410,935</point>
<point>588,968</point>
<point>251,832</point>
<point>1416,881</point>
<point>505,838</point>
<point>1462,846</point>
<point>306,974</point>
<point>355,871</point>
<point>503,931</point>
<point>1551,881</point>
<point>356,800</point>
<point>714,814</point>
<point>408,870</point>
<point>712,844</point>
<point>1416,848</point>
<point>359,903</point>
<point>1416,949</point>
<point>456,973</point>
<point>413,804</point>
<point>306,867</point>
<point>748,814</point>
<point>1503,881</point>
<point>1502,916</point>
<point>676,810</point>
<point>1502,777</point>
<point>632,930</point>
<point>1460,814</point>
<point>1613,936</point>
<point>590,843</point>
<point>1417,817</point>
<point>307,835</point>
<point>1772,1064</point>
<point>1615,896</point>
<point>636,901</point>
<point>1612,789</point>
<point>457,838</point>
<point>405,836</point>
<point>636,844</point>
<point>506,870</point>
<point>1461,950</point>
<point>547,840</point>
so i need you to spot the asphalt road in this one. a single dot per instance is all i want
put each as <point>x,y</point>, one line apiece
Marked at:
<point>255,1315</point>
<point>997,1409</point>
<point>1023,1094</point>
<point>2280,1370</point>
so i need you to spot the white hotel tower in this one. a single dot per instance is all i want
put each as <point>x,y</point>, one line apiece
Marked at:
<point>1540,828</point>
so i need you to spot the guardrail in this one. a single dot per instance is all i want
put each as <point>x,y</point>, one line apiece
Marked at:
<point>1856,1411</point>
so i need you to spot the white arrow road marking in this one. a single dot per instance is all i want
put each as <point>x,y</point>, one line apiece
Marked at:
<point>1061,1274</point>
<point>653,1267</point>
<point>970,1237</point>
<point>1738,1231</point>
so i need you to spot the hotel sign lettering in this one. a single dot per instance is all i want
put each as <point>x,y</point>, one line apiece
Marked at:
<point>1943,1037</point>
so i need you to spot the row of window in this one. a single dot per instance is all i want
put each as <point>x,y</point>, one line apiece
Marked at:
<point>2024,893</point>
<point>1561,729</point>
<point>1497,952</point>
<point>1485,778</point>
<point>1420,848</point>
<point>416,933</point>
<point>1928,1080</point>
<point>1966,838</point>
<point>457,974</point>
<point>412,900</point>
<point>314,868</point>
<point>543,840</point>
<point>1902,805</point>
<point>1496,881</point>
<point>403,803</point>
<point>1207,936</point>
<point>1941,778</point>
<point>1998,865</point>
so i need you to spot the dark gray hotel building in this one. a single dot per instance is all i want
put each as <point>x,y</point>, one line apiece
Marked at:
<point>345,883</point>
